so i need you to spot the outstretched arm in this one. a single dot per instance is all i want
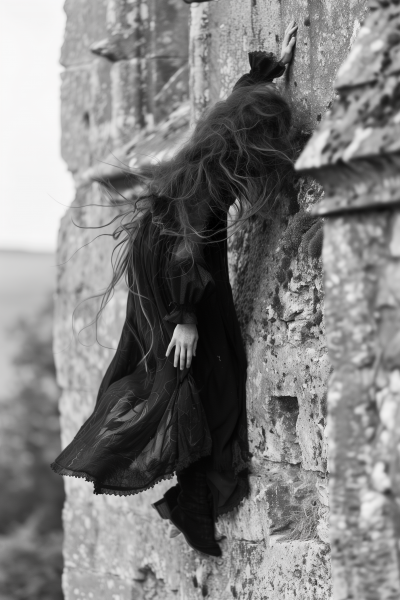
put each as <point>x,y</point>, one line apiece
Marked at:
<point>289,40</point>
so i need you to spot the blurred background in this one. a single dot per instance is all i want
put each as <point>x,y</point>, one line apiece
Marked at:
<point>36,188</point>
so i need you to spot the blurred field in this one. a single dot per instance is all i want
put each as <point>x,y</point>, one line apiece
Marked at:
<point>32,495</point>
<point>27,278</point>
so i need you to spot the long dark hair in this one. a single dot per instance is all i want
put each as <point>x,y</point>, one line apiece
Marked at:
<point>240,151</point>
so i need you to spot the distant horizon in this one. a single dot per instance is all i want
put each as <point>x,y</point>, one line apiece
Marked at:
<point>25,250</point>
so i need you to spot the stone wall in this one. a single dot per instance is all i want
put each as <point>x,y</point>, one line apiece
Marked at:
<point>112,97</point>
<point>355,154</point>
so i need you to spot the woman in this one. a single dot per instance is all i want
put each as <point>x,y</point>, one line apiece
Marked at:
<point>173,398</point>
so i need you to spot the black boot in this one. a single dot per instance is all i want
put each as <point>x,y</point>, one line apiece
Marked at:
<point>193,513</point>
<point>168,502</point>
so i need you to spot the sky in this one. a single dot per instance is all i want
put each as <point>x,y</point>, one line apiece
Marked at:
<point>34,181</point>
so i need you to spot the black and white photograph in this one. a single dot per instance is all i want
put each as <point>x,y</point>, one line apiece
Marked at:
<point>200,300</point>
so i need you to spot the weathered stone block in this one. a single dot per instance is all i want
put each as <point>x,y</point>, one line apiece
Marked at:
<point>281,440</point>
<point>169,22</point>
<point>173,94</point>
<point>75,108</point>
<point>162,69</point>
<point>124,14</point>
<point>101,106</point>
<point>85,114</point>
<point>118,46</point>
<point>75,407</point>
<point>290,570</point>
<point>86,23</point>
<point>279,296</point>
<point>127,103</point>
<point>284,501</point>
<point>89,585</point>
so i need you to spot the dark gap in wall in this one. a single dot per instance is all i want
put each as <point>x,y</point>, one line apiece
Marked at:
<point>86,119</point>
<point>286,404</point>
<point>283,412</point>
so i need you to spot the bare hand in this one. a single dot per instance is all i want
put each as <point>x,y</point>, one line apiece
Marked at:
<point>289,40</point>
<point>185,338</point>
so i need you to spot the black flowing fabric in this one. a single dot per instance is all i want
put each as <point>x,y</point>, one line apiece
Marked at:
<point>145,426</point>
<point>148,425</point>
<point>263,69</point>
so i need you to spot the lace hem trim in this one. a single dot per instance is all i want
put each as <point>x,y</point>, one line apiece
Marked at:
<point>99,488</point>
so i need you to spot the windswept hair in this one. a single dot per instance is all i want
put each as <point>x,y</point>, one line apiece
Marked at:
<point>240,150</point>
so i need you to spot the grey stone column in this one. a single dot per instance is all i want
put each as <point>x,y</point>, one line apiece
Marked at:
<point>355,155</point>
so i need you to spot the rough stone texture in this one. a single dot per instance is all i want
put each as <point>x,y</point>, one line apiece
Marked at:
<point>199,60</point>
<point>126,70</point>
<point>363,316</point>
<point>325,33</point>
<point>355,155</point>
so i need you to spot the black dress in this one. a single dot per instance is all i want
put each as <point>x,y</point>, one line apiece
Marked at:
<point>147,426</point>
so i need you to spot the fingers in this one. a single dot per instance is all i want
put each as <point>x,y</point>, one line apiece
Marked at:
<point>177,355</point>
<point>170,346</point>
<point>182,358</point>
<point>177,351</point>
<point>288,39</point>
<point>290,33</point>
<point>194,348</point>
<point>189,357</point>
<point>290,29</point>
<point>288,43</point>
<point>291,24</point>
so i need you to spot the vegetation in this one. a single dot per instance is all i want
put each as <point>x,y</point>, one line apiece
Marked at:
<point>32,495</point>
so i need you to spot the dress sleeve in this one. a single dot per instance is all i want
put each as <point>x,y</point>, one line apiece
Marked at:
<point>188,281</point>
<point>264,68</point>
